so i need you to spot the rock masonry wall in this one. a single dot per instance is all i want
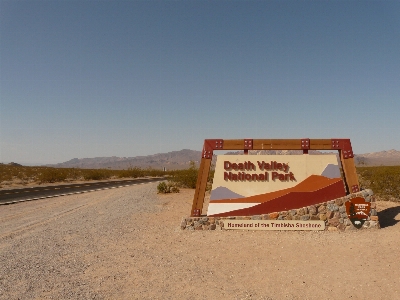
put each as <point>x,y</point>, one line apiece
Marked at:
<point>332,212</point>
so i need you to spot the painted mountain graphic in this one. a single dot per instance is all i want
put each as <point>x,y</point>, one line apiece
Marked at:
<point>331,171</point>
<point>223,193</point>
<point>315,189</point>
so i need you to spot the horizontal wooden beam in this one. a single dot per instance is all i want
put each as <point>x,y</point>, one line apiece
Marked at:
<point>277,144</point>
<point>321,144</point>
<point>233,145</point>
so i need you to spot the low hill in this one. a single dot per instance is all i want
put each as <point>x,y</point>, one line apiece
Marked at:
<point>174,160</point>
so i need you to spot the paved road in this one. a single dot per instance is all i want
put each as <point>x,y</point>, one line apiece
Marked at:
<point>35,193</point>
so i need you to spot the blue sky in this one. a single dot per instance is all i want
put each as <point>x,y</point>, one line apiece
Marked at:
<point>127,78</point>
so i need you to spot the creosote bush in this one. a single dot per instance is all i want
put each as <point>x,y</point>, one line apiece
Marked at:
<point>41,175</point>
<point>186,178</point>
<point>170,187</point>
<point>384,181</point>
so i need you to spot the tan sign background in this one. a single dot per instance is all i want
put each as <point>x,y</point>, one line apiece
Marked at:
<point>301,166</point>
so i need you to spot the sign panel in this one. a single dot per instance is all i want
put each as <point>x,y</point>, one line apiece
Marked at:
<point>358,211</point>
<point>273,225</point>
<point>245,185</point>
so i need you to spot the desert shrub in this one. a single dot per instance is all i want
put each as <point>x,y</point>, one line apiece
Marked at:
<point>52,175</point>
<point>131,172</point>
<point>170,187</point>
<point>48,174</point>
<point>186,178</point>
<point>96,174</point>
<point>384,181</point>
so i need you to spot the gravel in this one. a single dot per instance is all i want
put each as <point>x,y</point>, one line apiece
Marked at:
<point>126,244</point>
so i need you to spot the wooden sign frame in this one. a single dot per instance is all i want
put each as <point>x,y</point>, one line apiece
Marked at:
<point>342,145</point>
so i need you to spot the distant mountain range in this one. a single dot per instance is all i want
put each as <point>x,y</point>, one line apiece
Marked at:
<point>174,160</point>
<point>382,158</point>
<point>181,159</point>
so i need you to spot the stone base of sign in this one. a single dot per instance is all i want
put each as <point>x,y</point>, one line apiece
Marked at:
<point>332,212</point>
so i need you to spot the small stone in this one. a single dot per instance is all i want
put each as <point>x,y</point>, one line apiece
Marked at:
<point>256,217</point>
<point>293,212</point>
<point>334,222</point>
<point>374,218</point>
<point>332,207</point>
<point>312,210</point>
<point>213,226</point>
<point>373,212</point>
<point>206,227</point>
<point>368,199</point>
<point>296,217</point>
<point>305,217</point>
<point>331,228</point>
<point>343,215</point>
<point>373,224</point>
<point>322,209</point>
<point>342,209</point>
<point>329,214</point>
<point>336,215</point>
<point>339,201</point>
<point>183,224</point>
<point>273,215</point>
<point>211,220</point>
<point>300,212</point>
<point>341,227</point>
<point>373,205</point>
<point>305,210</point>
<point>341,221</point>
<point>366,224</point>
<point>314,217</point>
<point>199,227</point>
<point>205,219</point>
<point>322,217</point>
<point>265,217</point>
<point>289,217</point>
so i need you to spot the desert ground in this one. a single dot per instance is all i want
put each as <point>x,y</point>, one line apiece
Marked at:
<point>127,244</point>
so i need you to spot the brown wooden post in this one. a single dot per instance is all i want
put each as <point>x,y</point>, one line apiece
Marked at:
<point>201,186</point>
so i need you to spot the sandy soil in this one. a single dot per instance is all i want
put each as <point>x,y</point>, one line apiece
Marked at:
<point>126,244</point>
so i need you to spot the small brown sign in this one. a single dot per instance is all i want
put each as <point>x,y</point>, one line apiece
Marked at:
<point>358,211</point>
<point>274,225</point>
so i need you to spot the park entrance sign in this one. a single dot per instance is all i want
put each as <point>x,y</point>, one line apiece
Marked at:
<point>248,185</point>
